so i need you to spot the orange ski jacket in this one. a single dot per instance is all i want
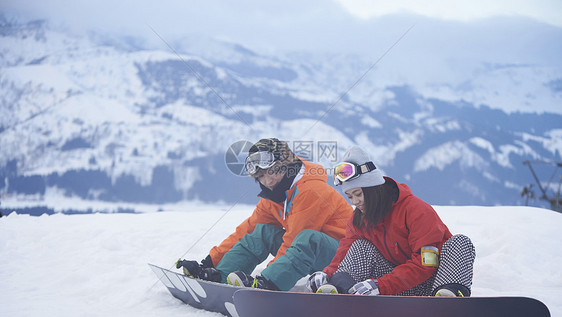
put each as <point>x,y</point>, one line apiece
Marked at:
<point>311,204</point>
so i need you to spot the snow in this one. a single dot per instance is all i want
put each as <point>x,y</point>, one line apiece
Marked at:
<point>385,154</point>
<point>553,143</point>
<point>503,88</point>
<point>95,264</point>
<point>441,156</point>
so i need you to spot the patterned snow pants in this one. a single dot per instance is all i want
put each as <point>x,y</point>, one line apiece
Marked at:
<point>364,261</point>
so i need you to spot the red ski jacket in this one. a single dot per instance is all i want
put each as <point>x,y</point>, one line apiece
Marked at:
<point>411,225</point>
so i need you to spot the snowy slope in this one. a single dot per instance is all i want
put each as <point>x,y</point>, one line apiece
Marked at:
<point>95,264</point>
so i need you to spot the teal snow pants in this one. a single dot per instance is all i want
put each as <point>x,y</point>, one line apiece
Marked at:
<point>310,251</point>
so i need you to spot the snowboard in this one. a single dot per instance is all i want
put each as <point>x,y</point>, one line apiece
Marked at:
<point>215,297</point>
<point>258,303</point>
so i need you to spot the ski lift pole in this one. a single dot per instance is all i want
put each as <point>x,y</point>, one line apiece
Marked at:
<point>558,207</point>
<point>535,176</point>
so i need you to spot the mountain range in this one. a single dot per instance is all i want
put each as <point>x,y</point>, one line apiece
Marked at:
<point>105,118</point>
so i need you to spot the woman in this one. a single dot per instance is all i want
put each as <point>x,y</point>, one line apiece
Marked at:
<point>299,220</point>
<point>395,243</point>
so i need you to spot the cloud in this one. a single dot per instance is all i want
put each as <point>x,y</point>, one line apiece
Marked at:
<point>548,11</point>
<point>266,26</point>
<point>261,24</point>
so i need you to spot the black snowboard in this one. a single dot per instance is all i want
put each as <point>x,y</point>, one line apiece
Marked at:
<point>200,294</point>
<point>259,303</point>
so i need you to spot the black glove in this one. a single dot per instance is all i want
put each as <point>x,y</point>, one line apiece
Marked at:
<point>207,262</point>
<point>190,268</point>
<point>205,270</point>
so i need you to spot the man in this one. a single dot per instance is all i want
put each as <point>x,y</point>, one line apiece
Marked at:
<point>299,220</point>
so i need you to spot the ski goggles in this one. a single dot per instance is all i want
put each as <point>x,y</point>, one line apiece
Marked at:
<point>346,171</point>
<point>263,160</point>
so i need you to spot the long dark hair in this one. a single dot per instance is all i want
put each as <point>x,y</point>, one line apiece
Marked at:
<point>378,204</point>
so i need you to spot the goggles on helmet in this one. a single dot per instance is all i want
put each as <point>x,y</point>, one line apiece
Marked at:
<point>263,160</point>
<point>346,171</point>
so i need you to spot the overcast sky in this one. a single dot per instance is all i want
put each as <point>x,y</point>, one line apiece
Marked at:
<point>271,25</point>
<point>549,11</point>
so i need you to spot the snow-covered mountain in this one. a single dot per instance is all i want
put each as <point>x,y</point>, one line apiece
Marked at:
<point>107,119</point>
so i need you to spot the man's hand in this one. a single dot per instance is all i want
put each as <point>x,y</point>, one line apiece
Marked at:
<point>190,268</point>
<point>316,280</point>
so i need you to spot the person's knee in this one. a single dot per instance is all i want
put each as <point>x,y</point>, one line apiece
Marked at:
<point>461,238</point>
<point>460,241</point>
<point>264,238</point>
<point>263,227</point>
<point>307,235</point>
<point>457,247</point>
<point>314,239</point>
<point>264,231</point>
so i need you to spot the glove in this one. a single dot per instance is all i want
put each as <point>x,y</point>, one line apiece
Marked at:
<point>207,262</point>
<point>316,280</point>
<point>194,269</point>
<point>205,270</point>
<point>190,268</point>
<point>367,287</point>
